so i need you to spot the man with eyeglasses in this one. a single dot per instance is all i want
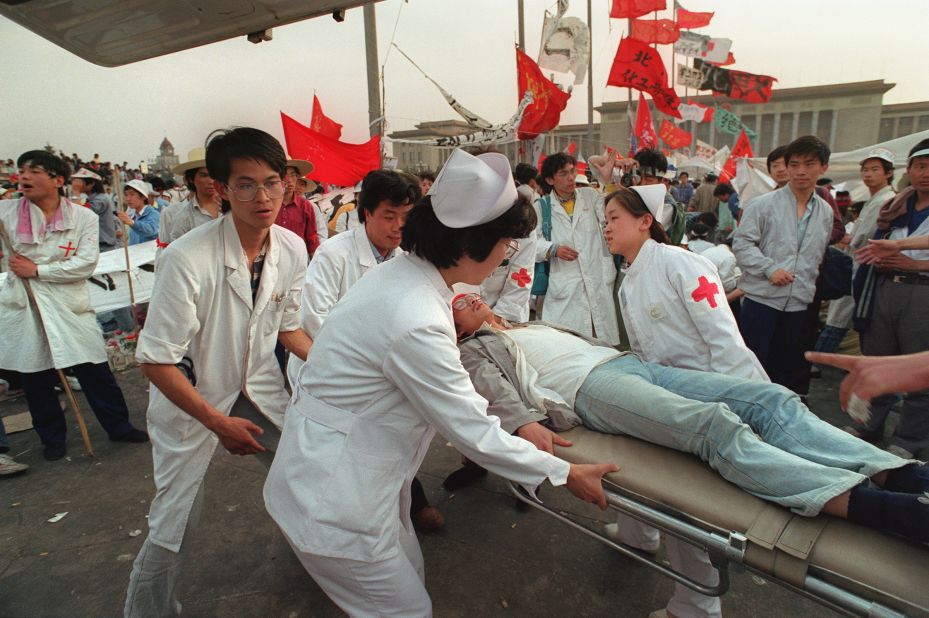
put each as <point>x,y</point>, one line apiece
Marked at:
<point>297,214</point>
<point>227,293</point>
<point>581,273</point>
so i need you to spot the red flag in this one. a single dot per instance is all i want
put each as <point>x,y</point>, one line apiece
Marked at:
<point>639,66</point>
<point>572,148</point>
<point>750,87</point>
<point>547,100</point>
<point>644,127</point>
<point>660,31</point>
<point>674,136</point>
<point>321,123</point>
<point>742,148</point>
<point>730,59</point>
<point>626,9</point>
<point>334,162</point>
<point>581,166</point>
<point>692,19</point>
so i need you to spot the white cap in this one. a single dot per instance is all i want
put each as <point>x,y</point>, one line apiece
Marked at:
<point>880,153</point>
<point>473,190</point>
<point>919,153</point>
<point>581,179</point>
<point>86,173</point>
<point>653,196</point>
<point>144,188</point>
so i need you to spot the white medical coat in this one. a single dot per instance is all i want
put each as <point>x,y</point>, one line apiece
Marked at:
<point>386,374</point>
<point>201,309</point>
<point>580,292</point>
<point>675,311</point>
<point>67,333</point>
<point>336,266</point>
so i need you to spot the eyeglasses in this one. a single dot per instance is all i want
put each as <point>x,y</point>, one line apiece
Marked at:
<point>463,302</point>
<point>247,191</point>
<point>512,248</point>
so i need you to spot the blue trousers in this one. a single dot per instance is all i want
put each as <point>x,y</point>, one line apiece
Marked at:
<point>800,462</point>
<point>100,388</point>
<point>776,337</point>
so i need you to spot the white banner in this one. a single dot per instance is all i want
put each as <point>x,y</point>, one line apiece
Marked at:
<point>565,46</point>
<point>701,46</point>
<point>696,113</point>
<point>689,77</point>
<point>705,151</point>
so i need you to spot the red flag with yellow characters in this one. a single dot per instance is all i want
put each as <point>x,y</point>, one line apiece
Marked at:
<point>548,101</point>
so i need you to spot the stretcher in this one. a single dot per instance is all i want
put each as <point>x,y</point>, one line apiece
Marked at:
<point>851,569</point>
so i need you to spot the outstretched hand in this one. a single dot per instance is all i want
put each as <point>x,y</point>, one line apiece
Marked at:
<point>542,437</point>
<point>585,482</point>
<point>870,376</point>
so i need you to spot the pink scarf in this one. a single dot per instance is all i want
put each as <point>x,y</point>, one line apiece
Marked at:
<point>24,232</point>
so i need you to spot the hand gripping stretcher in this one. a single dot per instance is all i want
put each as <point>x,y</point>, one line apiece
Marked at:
<point>851,569</point>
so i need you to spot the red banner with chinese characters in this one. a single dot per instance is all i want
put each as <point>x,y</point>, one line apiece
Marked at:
<point>742,148</point>
<point>658,31</point>
<point>628,9</point>
<point>639,66</point>
<point>674,136</point>
<point>644,126</point>
<point>548,101</point>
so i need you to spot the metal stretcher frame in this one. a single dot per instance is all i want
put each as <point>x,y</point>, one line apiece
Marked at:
<point>722,550</point>
<point>852,569</point>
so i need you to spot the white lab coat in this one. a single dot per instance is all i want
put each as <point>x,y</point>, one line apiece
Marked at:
<point>386,374</point>
<point>580,293</point>
<point>322,231</point>
<point>67,333</point>
<point>723,259</point>
<point>201,309</point>
<point>670,319</point>
<point>335,267</point>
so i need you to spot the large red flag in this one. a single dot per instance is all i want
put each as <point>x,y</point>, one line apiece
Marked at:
<point>644,127</point>
<point>673,136</point>
<point>692,19</point>
<point>639,66</point>
<point>750,87</point>
<point>334,162</point>
<point>627,9</point>
<point>742,148</point>
<point>660,31</point>
<point>321,123</point>
<point>547,100</point>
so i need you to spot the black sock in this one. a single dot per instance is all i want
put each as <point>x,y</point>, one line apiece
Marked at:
<point>904,514</point>
<point>911,479</point>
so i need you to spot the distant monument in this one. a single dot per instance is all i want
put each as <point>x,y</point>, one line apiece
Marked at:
<point>164,162</point>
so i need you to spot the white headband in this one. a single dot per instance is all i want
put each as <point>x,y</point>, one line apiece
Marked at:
<point>919,153</point>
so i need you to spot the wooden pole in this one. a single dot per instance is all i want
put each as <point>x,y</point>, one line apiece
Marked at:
<point>5,238</point>
<point>121,204</point>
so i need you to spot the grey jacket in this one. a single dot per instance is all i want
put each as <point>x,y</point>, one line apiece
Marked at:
<point>493,373</point>
<point>766,240</point>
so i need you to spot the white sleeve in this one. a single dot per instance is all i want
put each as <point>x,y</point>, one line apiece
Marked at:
<point>425,365</point>
<point>321,230</point>
<point>513,302</point>
<point>321,289</point>
<point>700,290</point>
<point>172,312</point>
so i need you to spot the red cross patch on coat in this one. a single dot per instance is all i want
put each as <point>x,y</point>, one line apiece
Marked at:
<point>523,278</point>
<point>68,249</point>
<point>705,291</point>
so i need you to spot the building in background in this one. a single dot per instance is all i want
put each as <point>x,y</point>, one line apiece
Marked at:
<point>165,161</point>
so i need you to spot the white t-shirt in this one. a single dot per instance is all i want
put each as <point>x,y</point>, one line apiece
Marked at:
<point>561,361</point>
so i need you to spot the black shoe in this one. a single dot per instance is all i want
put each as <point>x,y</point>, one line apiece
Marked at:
<point>54,452</point>
<point>463,476</point>
<point>133,435</point>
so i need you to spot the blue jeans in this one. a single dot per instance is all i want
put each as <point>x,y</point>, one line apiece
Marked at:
<point>800,461</point>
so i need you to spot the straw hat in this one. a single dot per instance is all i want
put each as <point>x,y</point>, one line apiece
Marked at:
<point>196,158</point>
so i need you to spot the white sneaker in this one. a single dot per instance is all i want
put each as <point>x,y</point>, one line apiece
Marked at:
<point>899,451</point>
<point>9,466</point>
<point>75,385</point>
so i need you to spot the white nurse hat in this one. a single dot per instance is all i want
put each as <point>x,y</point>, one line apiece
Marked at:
<point>473,190</point>
<point>653,196</point>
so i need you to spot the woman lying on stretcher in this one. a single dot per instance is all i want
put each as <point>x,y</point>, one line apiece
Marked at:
<point>538,378</point>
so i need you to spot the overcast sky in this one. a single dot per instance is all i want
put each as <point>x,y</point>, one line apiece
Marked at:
<point>52,96</point>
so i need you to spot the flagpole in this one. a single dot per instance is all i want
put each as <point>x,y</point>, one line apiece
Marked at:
<point>121,204</point>
<point>629,93</point>
<point>590,79</point>
<point>374,92</point>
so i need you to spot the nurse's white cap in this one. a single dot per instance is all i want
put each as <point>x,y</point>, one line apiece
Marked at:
<point>473,190</point>
<point>653,196</point>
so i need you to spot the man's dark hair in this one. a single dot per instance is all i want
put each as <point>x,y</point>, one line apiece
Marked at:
<point>524,173</point>
<point>711,178</point>
<point>707,218</point>
<point>52,164</point>
<point>398,188</point>
<point>807,145</point>
<point>424,235</point>
<point>723,189</point>
<point>651,162</point>
<point>683,174</point>
<point>774,155</point>
<point>922,145</point>
<point>157,183</point>
<point>225,145</point>
<point>555,162</point>
<point>427,175</point>
<point>189,177</point>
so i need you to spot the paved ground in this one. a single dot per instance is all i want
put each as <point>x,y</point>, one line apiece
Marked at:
<point>490,560</point>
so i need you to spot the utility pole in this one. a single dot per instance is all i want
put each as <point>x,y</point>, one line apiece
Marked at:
<point>374,90</point>
<point>522,26</point>
<point>590,85</point>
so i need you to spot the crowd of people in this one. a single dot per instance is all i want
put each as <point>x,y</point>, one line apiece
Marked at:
<point>497,306</point>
